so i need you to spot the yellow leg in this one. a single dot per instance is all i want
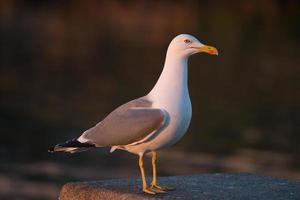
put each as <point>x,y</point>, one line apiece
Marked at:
<point>146,189</point>
<point>154,185</point>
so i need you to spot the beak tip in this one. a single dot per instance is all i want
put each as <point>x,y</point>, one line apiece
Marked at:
<point>208,49</point>
<point>216,52</point>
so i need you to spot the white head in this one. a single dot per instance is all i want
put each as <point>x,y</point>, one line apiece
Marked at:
<point>185,45</point>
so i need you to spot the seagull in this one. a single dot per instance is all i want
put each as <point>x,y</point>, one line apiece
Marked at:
<point>152,122</point>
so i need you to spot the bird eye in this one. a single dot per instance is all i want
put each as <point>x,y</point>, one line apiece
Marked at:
<point>187,41</point>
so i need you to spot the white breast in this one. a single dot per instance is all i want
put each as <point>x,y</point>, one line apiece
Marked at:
<point>180,112</point>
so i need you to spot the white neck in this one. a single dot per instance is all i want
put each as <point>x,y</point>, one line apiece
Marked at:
<point>173,81</point>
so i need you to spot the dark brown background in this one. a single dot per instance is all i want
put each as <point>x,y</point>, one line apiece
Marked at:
<point>64,65</point>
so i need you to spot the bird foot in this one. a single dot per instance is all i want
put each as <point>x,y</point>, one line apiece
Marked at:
<point>157,190</point>
<point>161,189</point>
<point>149,191</point>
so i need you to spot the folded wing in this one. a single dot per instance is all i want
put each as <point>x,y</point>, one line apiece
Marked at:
<point>127,124</point>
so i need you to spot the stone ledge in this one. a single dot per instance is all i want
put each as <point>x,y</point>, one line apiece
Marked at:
<point>206,186</point>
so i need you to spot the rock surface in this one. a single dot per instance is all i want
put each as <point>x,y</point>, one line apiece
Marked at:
<point>207,186</point>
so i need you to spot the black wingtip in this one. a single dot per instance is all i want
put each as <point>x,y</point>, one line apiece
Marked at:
<point>73,143</point>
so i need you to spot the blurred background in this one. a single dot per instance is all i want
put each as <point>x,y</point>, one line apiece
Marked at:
<point>64,65</point>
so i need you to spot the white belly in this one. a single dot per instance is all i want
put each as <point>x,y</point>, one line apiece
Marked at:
<point>180,113</point>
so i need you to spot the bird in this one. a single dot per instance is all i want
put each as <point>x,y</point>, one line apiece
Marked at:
<point>152,122</point>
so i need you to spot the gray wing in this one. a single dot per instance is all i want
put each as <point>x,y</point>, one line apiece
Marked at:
<point>129,123</point>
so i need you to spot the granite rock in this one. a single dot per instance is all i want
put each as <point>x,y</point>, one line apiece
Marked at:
<point>206,186</point>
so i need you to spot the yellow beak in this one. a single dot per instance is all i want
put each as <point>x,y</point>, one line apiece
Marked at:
<point>208,49</point>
